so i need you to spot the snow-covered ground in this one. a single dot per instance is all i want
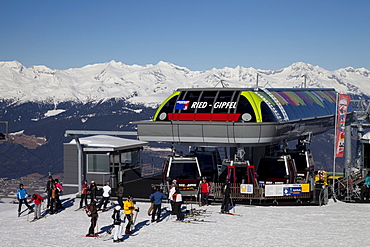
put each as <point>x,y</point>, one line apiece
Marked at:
<point>336,224</point>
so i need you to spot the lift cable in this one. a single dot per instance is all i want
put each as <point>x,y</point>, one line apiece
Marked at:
<point>13,141</point>
<point>15,162</point>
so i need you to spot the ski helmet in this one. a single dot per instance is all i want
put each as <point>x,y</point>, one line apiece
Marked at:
<point>117,208</point>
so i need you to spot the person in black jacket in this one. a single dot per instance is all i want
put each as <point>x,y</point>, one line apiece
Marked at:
<point>119,193</point>
<point>48,189</point>
<point>93,213</point>
<point>117,237</point>
<point>226,192</point>
<point>92,191</point>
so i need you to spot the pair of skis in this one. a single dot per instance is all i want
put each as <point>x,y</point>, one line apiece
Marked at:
<point>203,220</point>
<point>34,220</point>
<point>230,214</point>
<point>186,222</point>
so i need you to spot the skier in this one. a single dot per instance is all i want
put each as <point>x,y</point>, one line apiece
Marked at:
<point>205,190</point>
<point>226,192</point>
<point>22,198</point>
<point>177,198</point>
<point>119,193</point>
<point>117,237</point>
<point>59,191</point>
<point>37,199</point>
<point>53,196</point>
<point>84,194</point>
<point>92,190</point>
<point>170,194</point>
<point>128,208</point>
<point>367,184</point>
<point>92,212</point>
<point>106,194</point>
<point>157,197</point>
<point>48,189</point>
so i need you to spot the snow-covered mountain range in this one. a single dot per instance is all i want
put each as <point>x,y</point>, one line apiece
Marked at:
<point>151,84</point>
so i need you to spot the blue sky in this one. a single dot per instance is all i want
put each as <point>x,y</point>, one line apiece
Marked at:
<point>199,35</point>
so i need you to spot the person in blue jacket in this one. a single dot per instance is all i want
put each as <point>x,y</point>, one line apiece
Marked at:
<point>156,197</point>
<point>22,198</point>
<point>367,184</point>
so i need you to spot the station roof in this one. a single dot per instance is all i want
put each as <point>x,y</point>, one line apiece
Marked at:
<point>108,143</point>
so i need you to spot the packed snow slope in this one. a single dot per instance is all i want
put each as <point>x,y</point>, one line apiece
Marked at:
<point>336,224</point>
<point>151,84</point>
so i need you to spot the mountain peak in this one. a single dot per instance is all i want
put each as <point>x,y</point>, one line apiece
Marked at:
<point>302,66</point>
<point>11,64</point>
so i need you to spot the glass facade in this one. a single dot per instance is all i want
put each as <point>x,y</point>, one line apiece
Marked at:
<point>98,163</point>
<point>103,163</point>
<point>247,105</point>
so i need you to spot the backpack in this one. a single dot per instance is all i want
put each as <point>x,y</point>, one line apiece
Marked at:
<point>116,216</point>
<point>59,187</point>
<point>88,211</point>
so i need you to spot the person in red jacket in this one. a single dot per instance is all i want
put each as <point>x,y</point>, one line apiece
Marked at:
<point>84,191</point>
<point>59,191</point>
<point>205,191</point>
<point>37,199</point>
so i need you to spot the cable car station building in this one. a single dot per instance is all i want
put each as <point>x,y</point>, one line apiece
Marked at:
<point>258,121</point>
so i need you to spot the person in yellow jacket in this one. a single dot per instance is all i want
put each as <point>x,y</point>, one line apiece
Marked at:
<point>128,209</point>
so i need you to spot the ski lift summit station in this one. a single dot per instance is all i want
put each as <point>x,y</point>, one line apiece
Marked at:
<point>250,128</point>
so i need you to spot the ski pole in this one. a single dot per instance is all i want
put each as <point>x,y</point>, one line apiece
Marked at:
<point>137,212</point>
<point>133,222</point>
<point>96,228</point>
<point>232,204</point>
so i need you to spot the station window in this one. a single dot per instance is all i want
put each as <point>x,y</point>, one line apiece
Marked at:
<point>207,98</point>
<point>169,106</point>
<point>246,111</point>
<point>192,97</point>
<point>130,159</point>
<point>98,163</point>
<point>222,98</point>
